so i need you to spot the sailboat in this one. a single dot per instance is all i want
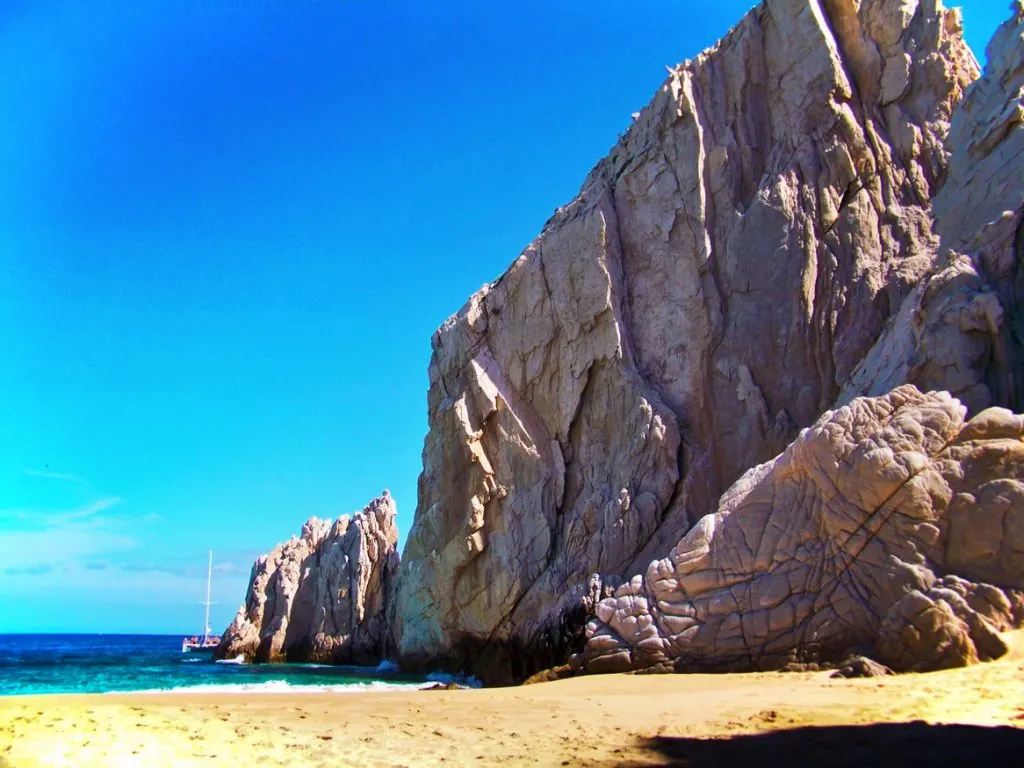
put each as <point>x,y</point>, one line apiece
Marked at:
<point>208,641</point>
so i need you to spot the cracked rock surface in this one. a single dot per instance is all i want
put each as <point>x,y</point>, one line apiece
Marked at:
<point>322,596</point>
<point>845,540</point>
<point>709,292</point>
<point>962,329</point>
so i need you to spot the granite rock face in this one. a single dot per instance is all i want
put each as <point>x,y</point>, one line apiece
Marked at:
<point>710,291</point>
<point>322,596</point>
<point>846,540</point>
<point>961,329</point>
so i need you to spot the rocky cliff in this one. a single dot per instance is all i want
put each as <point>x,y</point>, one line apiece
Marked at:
<point>961,328</point>
<point>322,596</point>
<point>891,524</point>
<point>715,286</point>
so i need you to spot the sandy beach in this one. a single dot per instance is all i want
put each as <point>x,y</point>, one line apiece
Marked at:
<point>763,718</point>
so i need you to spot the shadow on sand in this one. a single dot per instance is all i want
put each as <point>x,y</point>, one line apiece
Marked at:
<point>914,744</point>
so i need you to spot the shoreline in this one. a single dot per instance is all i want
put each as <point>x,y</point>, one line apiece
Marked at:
<point>267,688</point>
<point>592,720</point>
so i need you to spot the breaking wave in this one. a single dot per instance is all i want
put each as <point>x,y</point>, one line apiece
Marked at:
<point>283,686</point>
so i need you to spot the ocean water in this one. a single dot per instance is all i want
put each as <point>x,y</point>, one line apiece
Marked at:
<point>34,664</point>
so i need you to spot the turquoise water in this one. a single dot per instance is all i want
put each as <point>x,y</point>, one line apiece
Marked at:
<point>34,664</point>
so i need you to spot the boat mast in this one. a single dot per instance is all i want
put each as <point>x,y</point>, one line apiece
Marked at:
<point>209,576</point>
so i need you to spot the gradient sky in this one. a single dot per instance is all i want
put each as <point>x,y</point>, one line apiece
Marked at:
<point>227,232</point>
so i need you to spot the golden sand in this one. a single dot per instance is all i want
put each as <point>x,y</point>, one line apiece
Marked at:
<point>601,720</point>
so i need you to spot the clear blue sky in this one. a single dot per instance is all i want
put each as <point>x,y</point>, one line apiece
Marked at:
<point>227,232</point>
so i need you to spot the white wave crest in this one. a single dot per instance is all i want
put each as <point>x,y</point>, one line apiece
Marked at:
<point>464,681</point>
<point>283,686</point>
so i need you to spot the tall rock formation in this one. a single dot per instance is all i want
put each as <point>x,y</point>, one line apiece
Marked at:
<point>322,596</point>
<point>857,535</point>
<point>962,329</point>
<point>709,292</point>
<point>891,524</point>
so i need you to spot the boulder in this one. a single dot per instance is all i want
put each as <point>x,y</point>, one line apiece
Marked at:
<point>860,666</point>
<point>842,541</point>
<point>937,629</point>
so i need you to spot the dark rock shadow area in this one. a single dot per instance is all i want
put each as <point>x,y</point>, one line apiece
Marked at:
<point>868,746</point>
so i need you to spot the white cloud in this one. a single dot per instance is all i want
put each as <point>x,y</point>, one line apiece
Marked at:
<point>88,512</point>
<point>90,557</point>
<point>157,586</point>
<point>152,517</point>
<point>58,547</point>
<point>41,518</point>
<point>66,477</point>
<point>58,538</point>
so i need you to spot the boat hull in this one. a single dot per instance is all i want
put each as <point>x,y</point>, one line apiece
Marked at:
<point>187,647</point>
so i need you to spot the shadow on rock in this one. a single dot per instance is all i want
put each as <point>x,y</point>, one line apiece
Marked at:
<point>890,744</point>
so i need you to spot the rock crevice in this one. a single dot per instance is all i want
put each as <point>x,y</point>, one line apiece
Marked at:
<point>843,541</point>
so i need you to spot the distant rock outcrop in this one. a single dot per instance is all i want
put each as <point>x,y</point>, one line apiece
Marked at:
<point>711,291</point>
<point>848,539</point>
<point>322,596</point>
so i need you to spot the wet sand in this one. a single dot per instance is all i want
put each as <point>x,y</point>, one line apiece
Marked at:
<point>601,720</point>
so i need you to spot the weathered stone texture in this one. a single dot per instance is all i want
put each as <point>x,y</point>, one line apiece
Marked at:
<point>859,666</point>
<point>322,596</point>
<point>710,291</point>
<point>923,496</point>
<point>841,542</point>
<point>962,329</point>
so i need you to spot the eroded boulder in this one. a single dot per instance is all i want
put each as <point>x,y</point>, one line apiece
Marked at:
<point>860,666</point>
<point>937,629</point>
<point>843,541</point>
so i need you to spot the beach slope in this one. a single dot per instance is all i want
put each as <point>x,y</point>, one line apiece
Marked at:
<point>761,718</point>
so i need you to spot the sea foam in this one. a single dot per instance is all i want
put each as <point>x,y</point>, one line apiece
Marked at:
<point>240,659</point>
<point>282,686</point>
<point>464,681</point>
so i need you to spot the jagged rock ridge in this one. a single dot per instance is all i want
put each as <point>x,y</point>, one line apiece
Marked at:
<point>710,291</point>
<point>961,328</point>
<point>322,596</point>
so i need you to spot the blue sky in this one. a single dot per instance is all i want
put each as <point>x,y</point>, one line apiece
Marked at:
<point>227,232</point>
